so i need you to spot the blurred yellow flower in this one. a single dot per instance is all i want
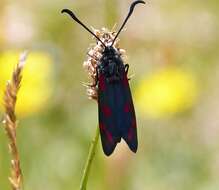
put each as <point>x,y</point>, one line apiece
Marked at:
<point>166,92</point>
<point>36,84</point>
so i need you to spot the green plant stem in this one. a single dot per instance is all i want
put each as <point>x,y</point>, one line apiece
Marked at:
<point>89,161</point>
<point>111,12</point>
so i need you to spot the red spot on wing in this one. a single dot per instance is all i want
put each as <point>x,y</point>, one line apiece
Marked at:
<point>106,133</point>
<point>127,108</point>
<point>102,85</point>
<point>102,126</point>
<point>106,111</point>
<point>132,130</point>
<point>125,80</point>
<point>133,123</point>
<point>130,134</point>
<point>109,137</point>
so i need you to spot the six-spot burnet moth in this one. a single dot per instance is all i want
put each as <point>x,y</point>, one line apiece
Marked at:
<point>111,87</point>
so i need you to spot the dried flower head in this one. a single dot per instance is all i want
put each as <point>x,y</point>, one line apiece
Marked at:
<point>94,55</point>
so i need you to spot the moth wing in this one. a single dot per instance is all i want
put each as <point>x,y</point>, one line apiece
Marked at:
<point>116,114</point>
<point>107,108</point>
<point>127,116</point>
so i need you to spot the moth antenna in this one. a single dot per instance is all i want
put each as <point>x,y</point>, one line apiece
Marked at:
<point>131,9</point>
<point>72,15</point>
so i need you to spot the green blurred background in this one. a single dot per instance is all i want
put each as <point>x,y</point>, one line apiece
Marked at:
<point>172,48</point>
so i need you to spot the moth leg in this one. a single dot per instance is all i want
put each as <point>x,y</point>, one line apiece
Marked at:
<point>126,68</point>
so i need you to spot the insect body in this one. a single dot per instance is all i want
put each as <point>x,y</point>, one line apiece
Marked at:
<point>115,106</point>
<point>116,111</point>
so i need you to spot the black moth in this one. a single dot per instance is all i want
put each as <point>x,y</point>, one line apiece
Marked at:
<point>115,106</point>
